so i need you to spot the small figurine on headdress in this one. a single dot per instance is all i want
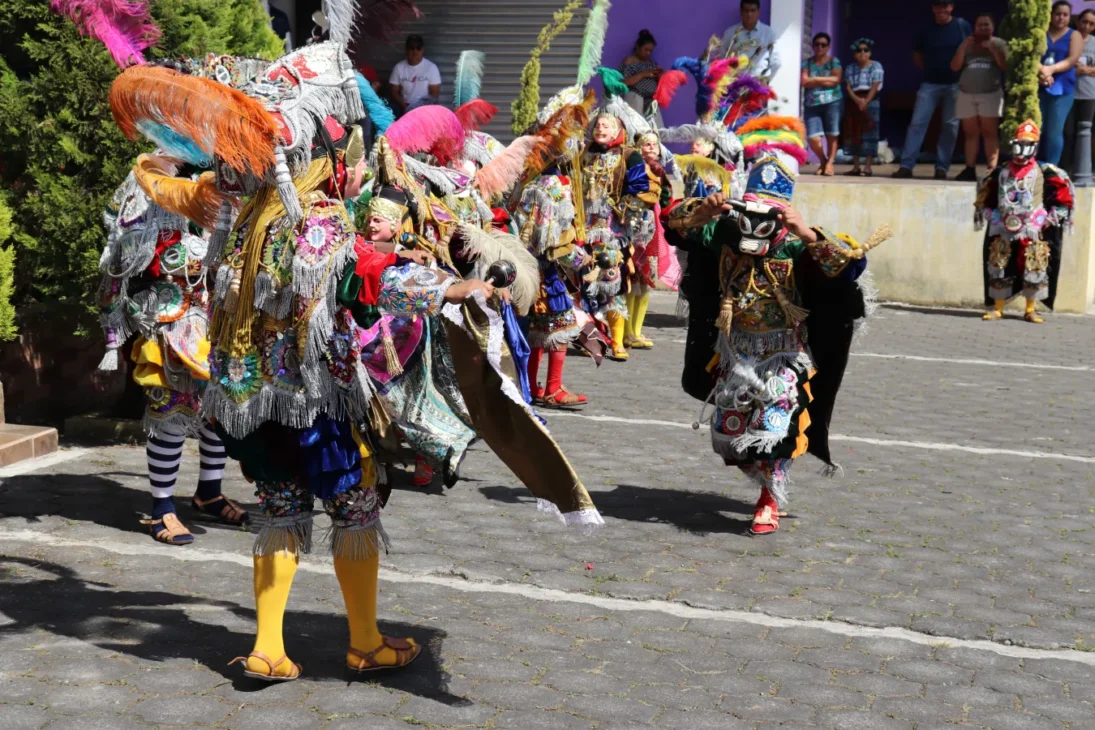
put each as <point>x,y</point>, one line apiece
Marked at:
<point>1027,205</point>
<point>780,285</point>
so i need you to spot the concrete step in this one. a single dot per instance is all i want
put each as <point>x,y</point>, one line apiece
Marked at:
<point>18,443</point>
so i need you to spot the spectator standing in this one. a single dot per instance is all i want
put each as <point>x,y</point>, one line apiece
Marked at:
<point>863,82</point>
<point>982,60</point>
<point>1064,47</point>
<point>754,40</point>
<point>415,81</point>
<point>1084,109</point>
<point>641,75</point>
<point>821,75</point>
<point>935,48</point>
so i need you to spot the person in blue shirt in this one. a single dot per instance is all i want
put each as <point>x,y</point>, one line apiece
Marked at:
<point>935,47</point>
<point>1057,75</point>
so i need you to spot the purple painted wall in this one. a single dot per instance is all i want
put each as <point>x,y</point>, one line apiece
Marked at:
<point>682,28</point>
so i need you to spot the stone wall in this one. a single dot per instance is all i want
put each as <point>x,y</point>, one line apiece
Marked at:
<point>49,372</point>
<point>934,257</point>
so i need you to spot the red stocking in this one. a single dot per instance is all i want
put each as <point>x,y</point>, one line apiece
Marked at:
<point>534,358</point>
<point>556,359</point>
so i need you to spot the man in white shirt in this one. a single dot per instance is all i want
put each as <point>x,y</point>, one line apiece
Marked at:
<point>417,80</point>
<point>754,40</point>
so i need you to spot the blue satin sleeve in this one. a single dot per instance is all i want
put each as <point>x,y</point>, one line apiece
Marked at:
<point>637,180</point>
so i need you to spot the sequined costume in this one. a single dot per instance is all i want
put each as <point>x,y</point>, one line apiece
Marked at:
<point>784,324</point>
<point>1025,206</point>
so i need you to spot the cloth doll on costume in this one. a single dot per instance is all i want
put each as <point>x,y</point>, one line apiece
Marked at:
<point>1027,206</point>
<point>788,298</point>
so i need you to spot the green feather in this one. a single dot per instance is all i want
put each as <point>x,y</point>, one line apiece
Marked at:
<point>593,42</point>
<point>613,81</point>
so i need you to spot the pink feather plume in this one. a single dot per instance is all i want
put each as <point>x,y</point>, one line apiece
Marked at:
<point>125,27</point>
<point>755,151</point>
<point>668,85</point>
<point>432,129</point>
<point>502,173</point>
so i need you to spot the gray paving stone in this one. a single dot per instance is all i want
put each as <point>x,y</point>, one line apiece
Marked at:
<point>971,697</point>
<point>916,710</point>
<point>856,720</point>
<point>262,718</point>
<point>769,710</point>
<point>23,717</point>
<point>418,710</point>
<point>357,699</point>
<point>1024,685</point>
<point>543,720</point>
<point>1012,721</point>
<point>174,681</point>
<point>512,696</point>
<point>88,699</point>
<point>702,720</point>
<point>1072,711</point>
<point>98,722</point>
<point>190,710</point>
<point>613,709</point>
<point>372,722</point>
<point>929,672</point>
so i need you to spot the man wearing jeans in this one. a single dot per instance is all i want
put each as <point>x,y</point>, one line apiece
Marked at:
<point>935,48</point>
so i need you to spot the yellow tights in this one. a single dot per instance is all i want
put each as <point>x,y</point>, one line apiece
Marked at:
<point>636,314</point>
<point>273,579</point>
<point>357,579</point>
<point>617,323</point>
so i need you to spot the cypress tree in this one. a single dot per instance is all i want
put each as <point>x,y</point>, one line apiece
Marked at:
<point>1024,28</point>
<point>63,155</point>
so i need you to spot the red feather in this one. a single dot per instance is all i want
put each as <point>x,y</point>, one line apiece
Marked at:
<point>668,85</point>
<point>476,114</point>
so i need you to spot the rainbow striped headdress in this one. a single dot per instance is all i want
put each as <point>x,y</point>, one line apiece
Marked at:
<point>777,147</point>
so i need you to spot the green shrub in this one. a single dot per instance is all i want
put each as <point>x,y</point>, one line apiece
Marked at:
<point>63,156</point>
<point>1025,30</point>
<point>7,276</point>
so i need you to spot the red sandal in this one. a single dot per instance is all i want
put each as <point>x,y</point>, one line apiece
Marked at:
<point>561,399</point>
<point>767,514</point>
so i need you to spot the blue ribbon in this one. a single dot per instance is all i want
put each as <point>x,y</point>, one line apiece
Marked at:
<point>637,180</point>
<point>330,459</point>
<point>519,348</point>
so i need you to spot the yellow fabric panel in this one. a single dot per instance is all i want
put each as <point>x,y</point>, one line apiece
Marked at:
<point>148,358</point>
<point>802,443</point>
<point>369,474</point>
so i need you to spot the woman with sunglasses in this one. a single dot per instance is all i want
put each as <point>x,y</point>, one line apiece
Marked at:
<point>821,75</point>
<point>863,81</point>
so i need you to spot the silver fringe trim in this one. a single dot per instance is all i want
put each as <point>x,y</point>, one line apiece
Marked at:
<point>219,238</point>
<point>310,278</point>
<point>870,306</point>
<point>172,426</point>
<point>221,284</point>
<point>110,360</point>
<point>761,350</point>
<point>287,191</point>
<point>358,542</point>
<point>292,535</point>
<point>589,520</point>
<point>554,339</point>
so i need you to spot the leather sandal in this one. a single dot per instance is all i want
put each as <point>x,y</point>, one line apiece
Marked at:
<point>561,399</point>
<point>169,530</point>
<point>1033,318</point>
<point>229,513</point>
<point>619,354</point>
<point>423,474</point>
<point>405,653</point>
<point>765,521</point>
<point>992,315</point>
<point>294,671</point>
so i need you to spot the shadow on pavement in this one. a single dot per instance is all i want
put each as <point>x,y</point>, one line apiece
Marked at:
<point>93,498</point>
<point>962,313</point>
<point>154,626</point>
<point>658,321</point>
<point>690,511</point>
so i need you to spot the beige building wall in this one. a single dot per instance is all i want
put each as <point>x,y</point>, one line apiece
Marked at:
<point>934,257</point>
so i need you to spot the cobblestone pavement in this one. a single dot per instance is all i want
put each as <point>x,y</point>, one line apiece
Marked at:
<point>945,581</point>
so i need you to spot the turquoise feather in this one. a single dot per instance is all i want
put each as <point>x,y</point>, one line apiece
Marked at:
<point>593,42</point>
<point>379,112</point>
<point>613,81</point>
<point>468,81</point>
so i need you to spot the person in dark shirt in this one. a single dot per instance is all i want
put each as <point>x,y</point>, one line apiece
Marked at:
<point>935,47</point>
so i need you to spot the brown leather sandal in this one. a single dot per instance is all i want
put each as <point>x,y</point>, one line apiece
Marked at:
<point>269,676</point>
<point>1033,318</point>
<point>405,653</point>
<point>562,399</point>
<point>230,513</point>
<point>170,530</point>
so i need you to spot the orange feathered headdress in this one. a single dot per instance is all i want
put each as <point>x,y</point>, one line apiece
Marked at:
<point>194,119</point>
<point>569,123</point>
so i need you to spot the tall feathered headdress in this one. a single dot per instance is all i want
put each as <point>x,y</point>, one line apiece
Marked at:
<point>560,135</point>
<point>781,136</point>
<point>379,112</point>
<point>593,41</point>
<point>527,103</point>
<point>468,78</point>
<point>432,129</point>
<point>746,99</point>
<point>125,27</point>
<point>194,118</point>
<point>504,171</point>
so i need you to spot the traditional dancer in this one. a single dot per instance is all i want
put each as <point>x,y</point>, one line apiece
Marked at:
<point>551,228</point>
<point>154,286</point>
<point>1027,206</point>
<point>789,296</point>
